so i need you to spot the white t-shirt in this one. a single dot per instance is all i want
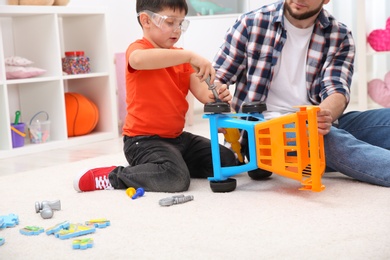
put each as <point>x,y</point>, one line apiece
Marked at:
<point>288,86</point>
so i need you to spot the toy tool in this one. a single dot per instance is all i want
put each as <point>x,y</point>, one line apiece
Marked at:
<point>133,193</point>
<point>177,199</point>
<point>46,208</point>
<point>17,117</point>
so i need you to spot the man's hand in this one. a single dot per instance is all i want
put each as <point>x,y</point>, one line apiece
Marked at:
<point>324,120</point>
<point>223,93</point>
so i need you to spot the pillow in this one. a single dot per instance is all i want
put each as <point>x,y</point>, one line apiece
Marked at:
<point>17,61</point>
<point>17,72</point>
<point>379,39</point>
<point>379,90</point>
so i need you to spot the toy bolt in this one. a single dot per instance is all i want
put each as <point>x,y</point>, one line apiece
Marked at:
<point>133,193</point>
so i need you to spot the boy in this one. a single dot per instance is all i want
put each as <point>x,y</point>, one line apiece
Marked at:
<point>161,156</point>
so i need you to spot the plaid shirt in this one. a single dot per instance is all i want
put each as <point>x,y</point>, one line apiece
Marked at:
<point>254,43</point>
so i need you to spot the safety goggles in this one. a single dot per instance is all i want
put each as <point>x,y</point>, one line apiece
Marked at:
<point>166,23</point>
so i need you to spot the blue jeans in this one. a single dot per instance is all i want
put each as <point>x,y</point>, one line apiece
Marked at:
<point>359,146</point>
<point>167,164</point>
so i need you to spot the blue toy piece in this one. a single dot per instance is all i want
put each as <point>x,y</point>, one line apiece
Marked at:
<point>58,227</point>
<point>75,230</point>
<point>2,241</point>
<point>31,230</point>
<point>98,223</point>
<point>10,220</point>
<point>83,243</point>
<point>1,222</point>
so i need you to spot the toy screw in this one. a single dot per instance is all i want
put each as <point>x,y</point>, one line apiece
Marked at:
<point>177,199</point>
<point>131,192</point>
<point>212,87</point>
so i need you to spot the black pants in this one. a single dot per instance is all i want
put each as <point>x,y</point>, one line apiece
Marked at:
<point>167,164</point>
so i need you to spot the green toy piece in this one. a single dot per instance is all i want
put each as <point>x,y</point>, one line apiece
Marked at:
<point>31,230</point>
<point>2,241</point>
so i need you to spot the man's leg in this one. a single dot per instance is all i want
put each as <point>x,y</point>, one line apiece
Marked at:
<point>359,146</point>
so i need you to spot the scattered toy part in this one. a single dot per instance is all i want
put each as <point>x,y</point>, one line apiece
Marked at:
<point>83,243</point>
<point>177,199</point>
<point>46,208</point>
<point>9,220</point>
<point>98,223</point>
<point>31,230</point>
<point>57,228</point>
<point>133,193</point>
<point>2,241</point>
<point>75,230</point>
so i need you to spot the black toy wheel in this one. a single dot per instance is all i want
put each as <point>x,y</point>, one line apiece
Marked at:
<point>227,185</point>
<point>254,107</point>
<point>259,174</point>
<point>217,107</point>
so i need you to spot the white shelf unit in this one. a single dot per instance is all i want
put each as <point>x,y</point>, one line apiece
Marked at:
<point>369,63</point>
<point>42,34</point>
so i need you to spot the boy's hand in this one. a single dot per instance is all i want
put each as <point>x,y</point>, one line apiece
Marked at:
<point>203,67</point>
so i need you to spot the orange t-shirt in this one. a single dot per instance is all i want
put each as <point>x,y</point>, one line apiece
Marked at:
<point>156,99</point>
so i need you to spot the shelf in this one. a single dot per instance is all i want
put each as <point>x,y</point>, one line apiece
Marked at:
<point>42,34</point>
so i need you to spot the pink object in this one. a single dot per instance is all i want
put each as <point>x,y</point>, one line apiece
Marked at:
<point>380,39</point>
<point>379,90</point>
<point>120,66</point>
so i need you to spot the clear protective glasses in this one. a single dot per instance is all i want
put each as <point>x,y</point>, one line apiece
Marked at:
<point>166,23</point>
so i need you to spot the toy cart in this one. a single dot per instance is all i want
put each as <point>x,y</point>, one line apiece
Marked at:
<point>289,146</point>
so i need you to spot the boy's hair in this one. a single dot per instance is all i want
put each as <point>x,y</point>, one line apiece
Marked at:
<point>158,5</point>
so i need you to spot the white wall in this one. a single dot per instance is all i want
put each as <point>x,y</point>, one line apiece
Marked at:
<point>205,38</point>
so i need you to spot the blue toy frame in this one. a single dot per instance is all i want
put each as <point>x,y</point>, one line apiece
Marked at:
<point>232,120</point>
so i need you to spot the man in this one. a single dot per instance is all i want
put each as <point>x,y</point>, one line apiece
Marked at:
<point>294,52</point>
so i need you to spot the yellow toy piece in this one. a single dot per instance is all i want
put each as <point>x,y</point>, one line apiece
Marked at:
<point>98,222</point>
<point>233,137</point>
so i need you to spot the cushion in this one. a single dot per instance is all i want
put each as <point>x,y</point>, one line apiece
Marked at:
<point>20,72</point>
<point>379,39</point>
<point>379,90</point>
<point>17,61</point>
<point>82,114</point>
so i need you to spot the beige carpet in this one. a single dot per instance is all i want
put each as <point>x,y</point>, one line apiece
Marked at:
<point>259,220</point>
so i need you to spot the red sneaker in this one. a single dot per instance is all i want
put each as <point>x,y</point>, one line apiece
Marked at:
<point>93,179</point>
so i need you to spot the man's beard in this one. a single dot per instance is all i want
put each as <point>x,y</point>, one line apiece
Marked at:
<point>304,15</point>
